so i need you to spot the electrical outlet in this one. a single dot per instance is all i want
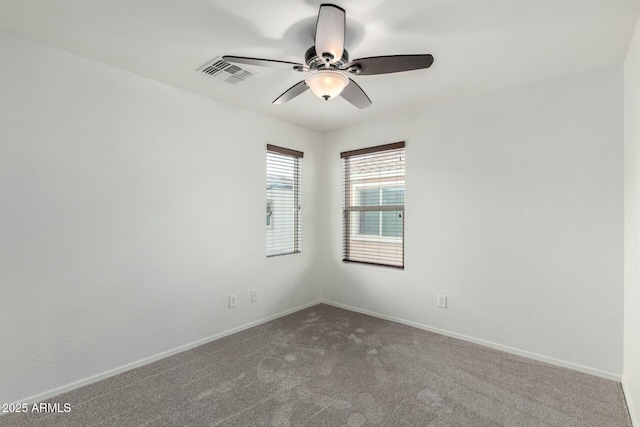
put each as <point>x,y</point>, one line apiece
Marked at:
<point>254,296</point>
<point>442,301</point>
<point>232,301</point>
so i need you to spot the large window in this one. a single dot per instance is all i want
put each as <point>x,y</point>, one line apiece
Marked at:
<point>373,205</point>
<point>283,203</point>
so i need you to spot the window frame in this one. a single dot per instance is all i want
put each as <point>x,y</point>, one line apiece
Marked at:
<point>350,193</point>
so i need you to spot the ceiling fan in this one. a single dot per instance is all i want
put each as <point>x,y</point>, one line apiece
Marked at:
<point>327,63</point>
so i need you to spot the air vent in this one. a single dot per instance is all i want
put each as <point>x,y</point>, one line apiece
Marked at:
<point>221,69</point>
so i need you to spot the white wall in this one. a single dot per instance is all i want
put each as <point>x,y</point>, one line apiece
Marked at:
<point>631,372</point>
<point>514,210</point>
<point>129,211</point>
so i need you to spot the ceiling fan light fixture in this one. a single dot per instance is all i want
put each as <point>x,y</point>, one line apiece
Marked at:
<point>326,84</point>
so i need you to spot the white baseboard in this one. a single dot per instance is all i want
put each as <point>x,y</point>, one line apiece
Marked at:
<point>632,413</point>
<point>104,375</point>
<point>512,350</point>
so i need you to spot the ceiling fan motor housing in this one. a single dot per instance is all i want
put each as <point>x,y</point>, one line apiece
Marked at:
<point>315,62</point>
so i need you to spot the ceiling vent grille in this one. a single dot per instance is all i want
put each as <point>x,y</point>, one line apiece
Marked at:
<point>221,69</point>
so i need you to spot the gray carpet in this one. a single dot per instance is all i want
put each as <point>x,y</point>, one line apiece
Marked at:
<point>325,366</point>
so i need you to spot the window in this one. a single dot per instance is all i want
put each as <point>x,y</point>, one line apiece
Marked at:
<point>283,201</point>
<point>373,205</point>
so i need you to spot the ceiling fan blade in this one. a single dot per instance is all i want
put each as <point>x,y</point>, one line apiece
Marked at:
<point>292,92</point>
<point>391,64</point>
<point>355,95</point>
<point>271,63</point>
<point>330,30</point>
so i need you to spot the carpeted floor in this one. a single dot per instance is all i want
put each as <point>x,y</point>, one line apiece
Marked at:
<point>325,366</point>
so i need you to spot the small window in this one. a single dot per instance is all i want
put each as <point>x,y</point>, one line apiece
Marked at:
<point>283,201</point>
<point>373,204</point>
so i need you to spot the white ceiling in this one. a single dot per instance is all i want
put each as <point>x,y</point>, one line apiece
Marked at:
<point>480,46</point>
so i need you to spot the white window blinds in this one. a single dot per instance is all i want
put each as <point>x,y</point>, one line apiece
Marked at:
<point>373,205</point>
<point>283,220</point>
